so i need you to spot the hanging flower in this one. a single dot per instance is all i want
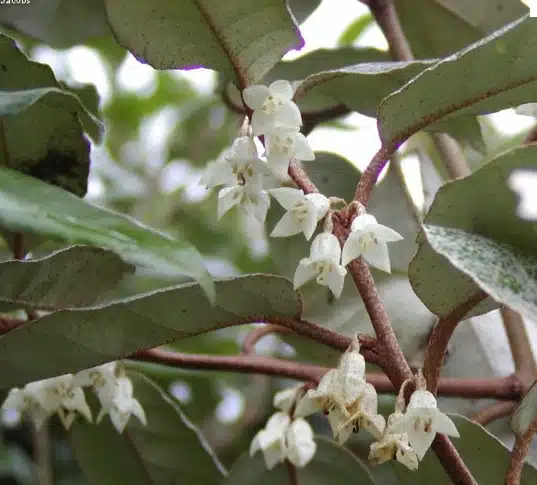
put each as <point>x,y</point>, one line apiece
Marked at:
<point>282,145</point>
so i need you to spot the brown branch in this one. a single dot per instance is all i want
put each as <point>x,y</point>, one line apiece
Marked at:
<point>493,412</point>
<point>450,459</point>
<point>440,336</point>
<point>519,454</point>
<point>301,178</point>
<point>291,471</point>
<point>254,336</point>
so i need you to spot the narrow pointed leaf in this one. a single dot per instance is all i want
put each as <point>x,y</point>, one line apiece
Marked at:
<point>34,206</point>
<point>239,38</point>
<point>502,73</point>
<point>483,205</point>
<point>331,464</point>
<point>83,338</point>
<point>74,277</point>
<point>156,452</point>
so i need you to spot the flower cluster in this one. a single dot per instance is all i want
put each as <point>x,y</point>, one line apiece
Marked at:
<point>284,438</point>
<point>64,395</point>
<point>241,175</point>
<point>350,404</point>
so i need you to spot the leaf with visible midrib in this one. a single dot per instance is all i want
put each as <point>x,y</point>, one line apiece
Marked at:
<point>501,68</point>
<point>168,450</point>
<point>27,204</point>
<point>239,38</point>
<point>72,277</point>
<point>70,340</point>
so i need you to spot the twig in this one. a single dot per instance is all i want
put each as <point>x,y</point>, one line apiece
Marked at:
<point>254,336</point>
<point>371,174</point>
<point>301,178</point>
<point>519,342</point>
<point>519,454</point>
<point>493,412</point>
<point>291,470</point>
<point>450,459</point>
<point>451,156</point>
<point>440,336</point>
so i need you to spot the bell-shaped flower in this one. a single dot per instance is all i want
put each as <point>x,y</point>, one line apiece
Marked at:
<point>122,405</point>
<point>524,182</point>
<point>323,264</point>
<point>368,239</point>
<point>300,446</point>
<point>60,395</point>
<point>272,107</point>
<point>25,402</point>
<point>323,398</point>
<point>421,421</point>
<point>303,212</point>
<point>359,413</point>
<point>393,446</point>
<point>282,145</point>
<point>271,439</point>
<point>102,379</point>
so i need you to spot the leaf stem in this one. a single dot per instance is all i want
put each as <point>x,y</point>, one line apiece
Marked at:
<point>255,335</point>
<point>519,454</point>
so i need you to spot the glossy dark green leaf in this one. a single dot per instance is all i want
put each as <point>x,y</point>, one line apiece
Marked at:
<point>485,455</point>
<point>34,206</point>
<point>239,38</point>
<point>430,33</point>
<point>331,464</point>
<point>481,204</point>
<point>82,338</point>
<point>72,277</point>
<point>501,69</point>
<point>168,450</point>
<point>60,23</point>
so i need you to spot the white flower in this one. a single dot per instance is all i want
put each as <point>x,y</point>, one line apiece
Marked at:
<point>323,264</point>
<point>272,107</point>
<point>271,439</point>
<point>122,405</point>
<point>22,401</point>
<point>393,446</point>
<point>324,398</point>
<point>357,414</point>
<point>283,144</point>
<point>421,421</point>
<point>368,239</point>
<point>524,183</point>
<point>250,198</point>
<point>303,212</point>
<point>60,395</point>
<point>300,446</point>
<point>103,380</point>
<point>284,439</point>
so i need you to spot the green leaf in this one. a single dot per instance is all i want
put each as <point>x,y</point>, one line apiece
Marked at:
<point>331,464</point>
<point>355,30</point>
<point>241,39</point>
<point>480,204</point>
<point>44,140</point>
<point>157,452</point>
<point>501,69</point>
<point>83,338</point>
<point>485,455</point>
<point>73,277</point>
<point>507,275</point>
<point>526,412</point>
<point>430,33</point>
<point>34,206</point>
<point>59,23</point>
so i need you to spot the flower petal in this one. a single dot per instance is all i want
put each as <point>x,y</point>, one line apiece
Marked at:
<point>351,248</point>
<point>309,224</point>
<point>262,123</point>
<point>287,226</point>
<point>443,424</point>
<point>320,204</point>
<point>304,273</point>
<point>325,247</point>
<point>335,280</point>
<point>302,149</point>
<point>360,222</point>
<point>281,89</point>
<point>420,440</point>
<point>385,234</point>
<point>288,116</point>
<point>254,96</point>
<point>278,163</point>
<point>228,197</point>
<point>287,197</point>
<point>377,255</point>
